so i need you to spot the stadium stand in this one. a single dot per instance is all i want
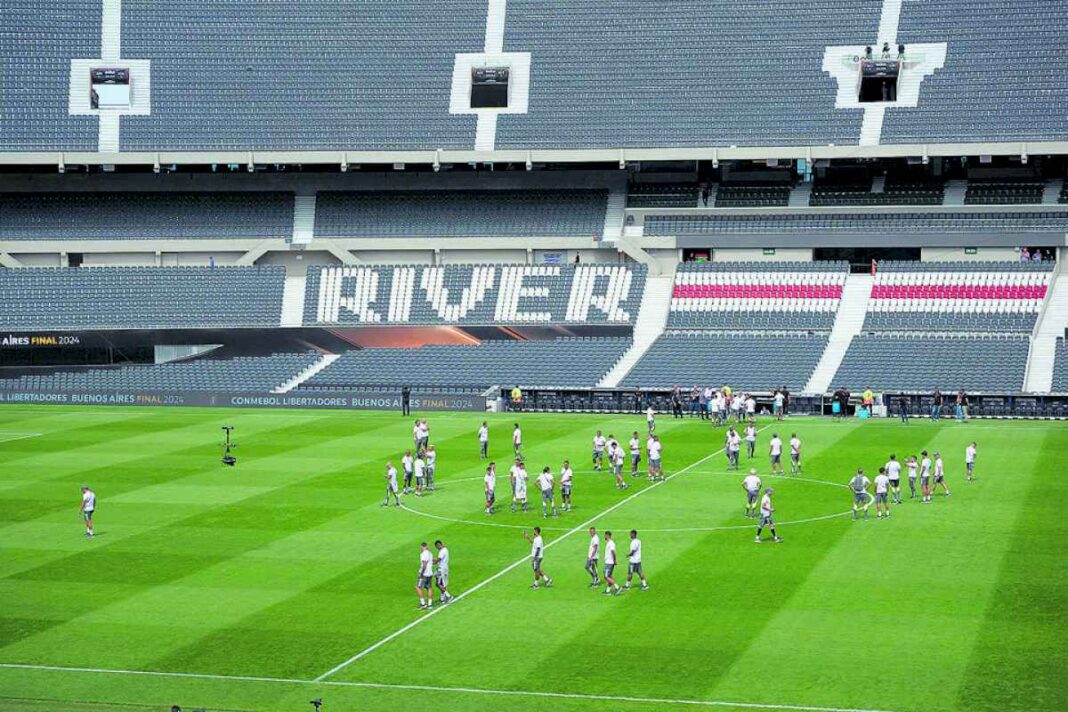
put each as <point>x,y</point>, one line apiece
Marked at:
<point>752,195</point>
<point>1022,98</point>
<point>254,374</point>
<point>131,216</point>
<point>474,294</point>
<point>873,223</point>
<point>957,297</point>
<point>778,296</point>
<point>890,362</point>
<point>564,362</point>
<point>485,213</point>
<point>307,74</point>
<point>662,195</point>
<point>897,190</point>
<point>37,42</point>
<point>750,361</point>
<point>1060,367</point>
<point>140,297</point>
<point>1004,192</point>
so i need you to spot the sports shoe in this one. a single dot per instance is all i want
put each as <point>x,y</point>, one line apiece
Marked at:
<point>757,540</point>
<point>548,583</point>
<point>778,539</point>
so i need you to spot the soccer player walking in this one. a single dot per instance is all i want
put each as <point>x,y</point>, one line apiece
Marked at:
<point>431,467</point>
<point>86,508</point>
<point>634,561</point>
<point>517,440</point>
<point>859,486</point>
<point>391,484</point>
<point>650,419</point>
<point>882,494</point>
<point>616,458</point>
<point>599,443</point>
<point>490,482</point>
<point>547,485</point>
<point>795,454</point>
<point>519,484</point>
<point>593,553</point>
<point>751,485</point>
<point>483,441</point>
<point>424,582</point>
<point>420,474</point>
<point>611,587</point>
<point>939,475</point>
<point>925,478</point>
<point>441,576</point>
<point>537,552</point>
<point>969,461</point>
<point>775,452</point>
<point>655,448</point>
<point>750,440</point>
<point>766,518</point>
<point>566,477</point>
<point>635,453</point>
<point>408,463</point>
<point>893,472</point>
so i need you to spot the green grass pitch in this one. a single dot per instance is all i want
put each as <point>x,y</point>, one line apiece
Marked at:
<point>237,589</point>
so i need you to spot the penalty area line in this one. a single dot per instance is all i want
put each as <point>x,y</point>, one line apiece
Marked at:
<point>511,567</point>
<point>443,689</point>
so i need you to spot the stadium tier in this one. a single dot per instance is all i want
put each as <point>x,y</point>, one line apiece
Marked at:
<point>662,195</point>
<point>565,362</point>
<point>131,216</point>
<point>1060,367</point>
<point>783,296</point>
<point>487,213</point>
<point>891,362</point>
<point>474,294</point>
<point>380,76</point>
<point>251,374</point>
<point>873,223</point>
<point>140,297</point>
<point>758,362</point>
<point>947,297</point>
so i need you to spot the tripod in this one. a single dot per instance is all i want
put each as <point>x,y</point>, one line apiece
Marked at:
<point>228,459</point>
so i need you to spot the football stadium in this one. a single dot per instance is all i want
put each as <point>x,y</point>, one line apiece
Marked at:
<point>531,355</point>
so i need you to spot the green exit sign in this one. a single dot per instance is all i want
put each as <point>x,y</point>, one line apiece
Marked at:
<point>971,250</point>
<point>768,251</point>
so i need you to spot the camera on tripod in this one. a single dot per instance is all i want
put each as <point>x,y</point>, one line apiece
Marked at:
<point>228,458</point>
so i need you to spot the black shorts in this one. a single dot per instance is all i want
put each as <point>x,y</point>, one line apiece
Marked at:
<point>634,569</point>
<point>608,569</point>
<point>895,483</point>
<point>424,581</point>
<point>565,490</point>
<point>536,563</point>
<point>775,459</point>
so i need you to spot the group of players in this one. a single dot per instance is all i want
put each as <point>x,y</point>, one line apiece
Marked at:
<point>930,473</point>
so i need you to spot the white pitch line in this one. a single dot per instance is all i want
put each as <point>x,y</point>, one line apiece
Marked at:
<point>441,688</point>
<point>511,567</point>
<point>25,436</point>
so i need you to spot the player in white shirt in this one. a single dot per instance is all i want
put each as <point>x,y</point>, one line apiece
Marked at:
<point>537,553</point>
<point>859,487</point>
<point>441,576</point>
<point>715,407</point>
<point>795,454</point>
<point>611,587</point>
<point>408,463</point>
<point>420,475</point>
<point>566,481</point>
<point>939,475</point>
<point>766,518</point>
<point>728,446</point>
<point>925,478</point>
<point>750,439</point>
<point>893,473</point>
<point>86,508</point>
<point>593,553</point>
<point>517,439</point>
<point>912,466</point>
<point>490,482</point>
<point>775,452</point>
<point>417,435</point>
<point>650,419</point>
<point>425,580</point>
<point>615,460</point>
<point>391,484</point>
<point>882,493</point>
<point>736,407</point>
<point>431,467</point>
<point>483,441</point>
<point>519,485</point>
<point>634,561</point>
<point>599,444</point>
<point>635,453</point>
<point>655,449</point>
<point>750,407</point>
<point>751,485</point>
<point>547,485</point>
<point>969,461</point>
<point>777,403</point>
